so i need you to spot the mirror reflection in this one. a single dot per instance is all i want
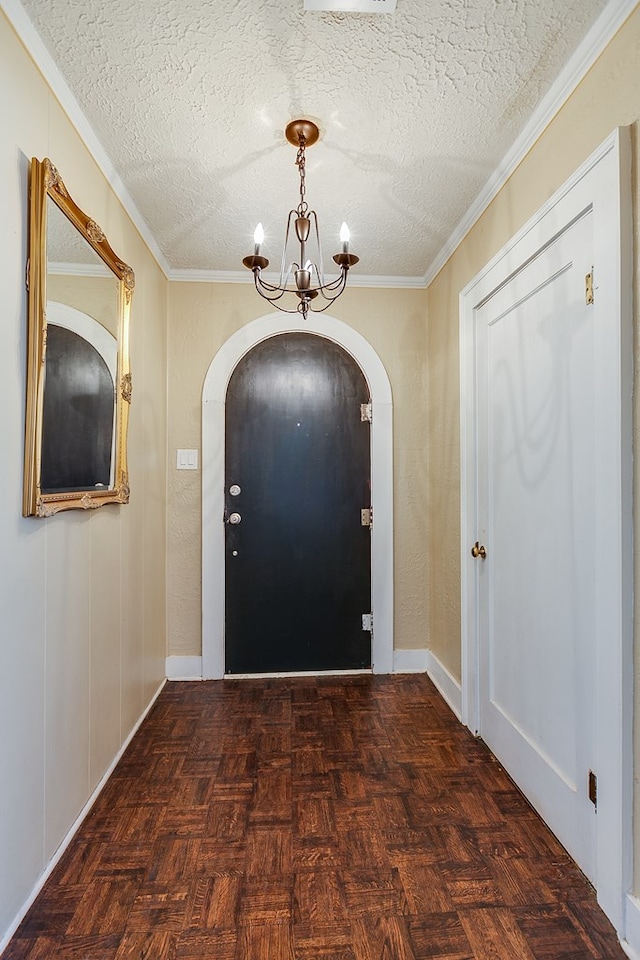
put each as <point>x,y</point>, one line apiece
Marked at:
<point>78,420</point>
<point>79,384</point>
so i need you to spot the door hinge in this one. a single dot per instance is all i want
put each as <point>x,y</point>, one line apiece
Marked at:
<point>588,288</point>
<point>366,413</point>
<point>593,788</point>
<point>366,517</point>
<point>27,274</point>
<point>367,622</point>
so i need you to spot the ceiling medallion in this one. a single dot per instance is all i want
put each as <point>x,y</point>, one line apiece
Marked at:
<point>301,281</point>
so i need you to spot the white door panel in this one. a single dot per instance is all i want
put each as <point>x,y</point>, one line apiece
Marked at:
<point>537,443</point>
<point>546,484</point>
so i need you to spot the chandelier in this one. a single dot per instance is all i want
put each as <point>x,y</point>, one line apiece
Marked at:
<point>302,281</point>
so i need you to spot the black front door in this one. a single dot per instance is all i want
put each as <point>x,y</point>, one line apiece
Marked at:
<point>297,475</point>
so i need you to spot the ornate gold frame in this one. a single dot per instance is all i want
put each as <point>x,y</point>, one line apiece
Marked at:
<point>45,183</point>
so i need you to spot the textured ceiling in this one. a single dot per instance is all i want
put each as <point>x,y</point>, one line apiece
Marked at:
<point>190,98</point>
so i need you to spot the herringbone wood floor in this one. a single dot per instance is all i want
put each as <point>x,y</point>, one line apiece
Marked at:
<point>346,818</point>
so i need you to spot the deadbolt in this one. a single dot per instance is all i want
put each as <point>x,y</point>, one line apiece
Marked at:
<point>478,551</point>
<point>235,518</point>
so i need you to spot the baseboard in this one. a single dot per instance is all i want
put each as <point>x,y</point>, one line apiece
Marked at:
<point>631,943</point>
<point>409,661</point>
<point>190,668</point>
<point>446,683</point>
<point>44,876</point>
<point>183,668</point>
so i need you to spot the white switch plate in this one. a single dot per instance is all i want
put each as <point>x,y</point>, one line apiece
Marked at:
<point>187,459</point>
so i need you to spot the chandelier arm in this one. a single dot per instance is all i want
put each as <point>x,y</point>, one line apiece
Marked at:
<point>264,289</point>
<point>338,284</point>
<point>283,277</point>
<point>331,291</point>
<point>329,284</point>
<point>275,287</point>
<point>322,309</point>
<point>313,214</point>
<point>334,287</point>
<point>335,296</point>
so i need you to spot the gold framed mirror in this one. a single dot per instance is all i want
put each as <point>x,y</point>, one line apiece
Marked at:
<point>78,376</point>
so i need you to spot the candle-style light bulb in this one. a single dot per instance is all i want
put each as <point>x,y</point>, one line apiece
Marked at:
<point>345,237</point>
<point>258,237</point>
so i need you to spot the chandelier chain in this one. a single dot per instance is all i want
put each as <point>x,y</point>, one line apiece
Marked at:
<point>301,165</point>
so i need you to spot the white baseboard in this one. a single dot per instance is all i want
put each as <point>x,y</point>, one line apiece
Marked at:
<point>190,668</point>
<point>44,876</point>
<point>446,683</point>
<point>631,943</point>
<point>183,668</point>
<point>409,661</point>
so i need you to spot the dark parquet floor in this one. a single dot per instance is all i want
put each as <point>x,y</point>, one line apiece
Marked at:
<point>347,818</point>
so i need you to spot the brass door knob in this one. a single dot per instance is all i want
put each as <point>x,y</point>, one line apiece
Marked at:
<point>478,551</point>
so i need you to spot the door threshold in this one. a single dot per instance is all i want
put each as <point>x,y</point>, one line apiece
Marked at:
<point>301,673</point>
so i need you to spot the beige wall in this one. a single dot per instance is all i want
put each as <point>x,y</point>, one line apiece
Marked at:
<point>82,595</point>
<point>201,317</point>
<point>608,97</point>
<point>98,297</point>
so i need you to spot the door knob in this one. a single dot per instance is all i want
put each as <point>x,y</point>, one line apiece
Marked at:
<point>478,551</point>
<point>235,518</point>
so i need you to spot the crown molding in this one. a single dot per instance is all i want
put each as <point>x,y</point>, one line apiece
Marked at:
<point>43,60</point>
<point>600,34</point>
<point>242,276</point>
<point>78,269</point>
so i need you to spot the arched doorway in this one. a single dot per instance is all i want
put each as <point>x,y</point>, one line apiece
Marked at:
<point>297,479</point>
<point>213,437</point>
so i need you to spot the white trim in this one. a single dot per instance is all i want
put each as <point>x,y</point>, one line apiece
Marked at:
<point>183,668</point>
<point>213,406</point>
<point>55,859</point>
<point>446,684</point>
<point>601,33</point>
<point>608,189</point>
<point>410,661</point>
<point>60,269</point>
<point>631,943</point>
<point>29,36</point>
<point>236,276</point>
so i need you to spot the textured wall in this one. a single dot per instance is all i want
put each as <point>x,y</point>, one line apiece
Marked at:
<point>608,97</point>
<point>201,317</point>
<point>82,595</point>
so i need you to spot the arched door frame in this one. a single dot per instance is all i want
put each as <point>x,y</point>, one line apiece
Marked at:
<point>213,424</point>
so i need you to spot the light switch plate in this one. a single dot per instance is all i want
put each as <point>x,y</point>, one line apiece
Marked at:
<point>187,459</point>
